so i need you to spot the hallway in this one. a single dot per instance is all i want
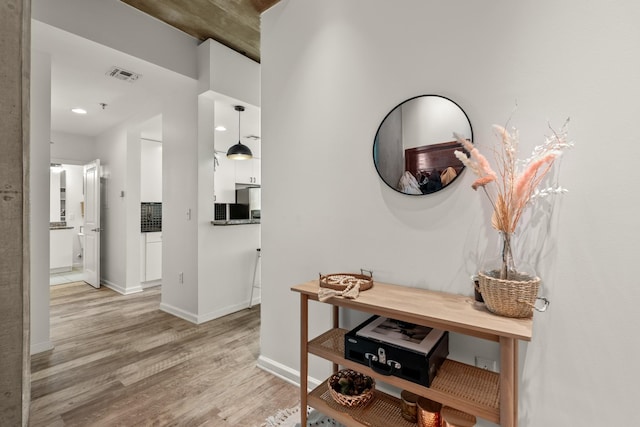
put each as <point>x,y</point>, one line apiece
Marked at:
<point>119,360</point>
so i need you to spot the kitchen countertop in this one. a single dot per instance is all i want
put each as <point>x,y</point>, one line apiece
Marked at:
<point>236,222</point>
<point>61,227</point>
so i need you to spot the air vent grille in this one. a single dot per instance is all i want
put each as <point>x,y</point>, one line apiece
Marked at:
<point>122,74</point>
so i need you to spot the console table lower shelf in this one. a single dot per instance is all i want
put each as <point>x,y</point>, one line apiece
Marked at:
<point>382,411</point>
<point>462,386</point>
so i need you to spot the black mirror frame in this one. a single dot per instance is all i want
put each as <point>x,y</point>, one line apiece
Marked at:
<point>385,118</point>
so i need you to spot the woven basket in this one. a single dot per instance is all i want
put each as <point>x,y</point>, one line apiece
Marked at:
<point>326,281</point>
<point>509,298</point>
<point>346,400</point>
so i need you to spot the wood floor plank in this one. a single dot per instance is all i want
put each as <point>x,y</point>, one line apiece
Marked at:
<point>120,361</point>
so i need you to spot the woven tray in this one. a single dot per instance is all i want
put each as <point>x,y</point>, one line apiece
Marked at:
<point>340,281</point>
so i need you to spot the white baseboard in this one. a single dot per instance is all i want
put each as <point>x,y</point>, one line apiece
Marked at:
<point>41,347</point>
<point>151,284</point>
<point>284,372</point>
<point>178,312</point>
<point>223,312</point>
<point>202,318</point>
<point>120,289</point>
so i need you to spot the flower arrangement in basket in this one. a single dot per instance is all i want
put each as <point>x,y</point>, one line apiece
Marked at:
<point>507,289</point>
<point>350,388</point>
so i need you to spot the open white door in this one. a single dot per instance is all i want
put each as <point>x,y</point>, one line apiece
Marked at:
<point>91,258</point>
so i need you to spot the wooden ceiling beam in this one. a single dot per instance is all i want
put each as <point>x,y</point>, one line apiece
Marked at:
<point>236,24</point>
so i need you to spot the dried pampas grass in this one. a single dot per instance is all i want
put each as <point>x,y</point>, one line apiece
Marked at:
<point>515,184</point>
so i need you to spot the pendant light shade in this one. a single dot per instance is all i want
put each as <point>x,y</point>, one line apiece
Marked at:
<point>239,151</point>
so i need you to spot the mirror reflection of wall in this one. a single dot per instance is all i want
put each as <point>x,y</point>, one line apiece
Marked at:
<point>57,193</point>
<point>413,148</point>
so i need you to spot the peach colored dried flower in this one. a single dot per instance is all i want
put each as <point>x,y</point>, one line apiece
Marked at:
<point>477,162</point>
<point>481,182</point>
<point>516,182</point>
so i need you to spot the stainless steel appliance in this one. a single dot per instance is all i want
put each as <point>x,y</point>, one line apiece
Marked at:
<point>251,198</point>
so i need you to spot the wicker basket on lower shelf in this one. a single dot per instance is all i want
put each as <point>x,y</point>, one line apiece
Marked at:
<point>351,401</point>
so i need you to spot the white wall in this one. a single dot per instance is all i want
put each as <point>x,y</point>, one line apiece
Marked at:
<point>111,149</point>
<point>443,119</point>
<point>180,195</point>
<point>226,72</point>
<point>72,149</point>
<point>150,171</point>
<point>348,63</point>
<point>40,123</point>
<point>119,151</point>
<point>124,28</point>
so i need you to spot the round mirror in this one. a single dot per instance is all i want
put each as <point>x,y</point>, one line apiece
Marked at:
<point>414,145</point>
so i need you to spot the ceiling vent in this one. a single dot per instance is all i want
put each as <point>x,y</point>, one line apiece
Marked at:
<point>254,137</point>
<point>122,74</point>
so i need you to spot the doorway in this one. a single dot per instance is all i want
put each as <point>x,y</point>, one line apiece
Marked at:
<point>74,227</point>
<point>65,223</point>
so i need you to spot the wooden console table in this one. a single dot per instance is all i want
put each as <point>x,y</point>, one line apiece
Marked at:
<point>486,394</point>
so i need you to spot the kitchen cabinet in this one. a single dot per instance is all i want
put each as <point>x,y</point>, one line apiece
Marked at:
<point>248,171</point>
<point>224,180</point>
<point>151,257</point>
<point>489,395</point>
<point>150,171</point>
<point>61,249</point>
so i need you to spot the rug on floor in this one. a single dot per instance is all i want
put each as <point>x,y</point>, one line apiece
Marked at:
<point>291,418</point>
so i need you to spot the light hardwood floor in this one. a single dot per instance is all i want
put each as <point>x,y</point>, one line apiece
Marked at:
<point>120,361</point>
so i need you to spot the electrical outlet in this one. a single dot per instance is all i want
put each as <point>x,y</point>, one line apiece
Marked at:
<point>180,278</point>
<point>485,363</point>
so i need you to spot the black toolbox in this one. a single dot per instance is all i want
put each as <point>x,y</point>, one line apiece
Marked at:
<point>392,347</point>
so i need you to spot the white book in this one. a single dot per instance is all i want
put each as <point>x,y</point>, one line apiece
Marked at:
<point>402,334</point>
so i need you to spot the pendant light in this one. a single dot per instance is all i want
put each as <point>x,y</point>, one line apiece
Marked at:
<point>239,151</point>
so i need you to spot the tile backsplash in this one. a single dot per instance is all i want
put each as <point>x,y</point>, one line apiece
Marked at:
<point>150,217</point>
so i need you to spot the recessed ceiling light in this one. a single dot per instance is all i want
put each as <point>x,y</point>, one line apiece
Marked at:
<point>221,128</point>
<point>79,110</point>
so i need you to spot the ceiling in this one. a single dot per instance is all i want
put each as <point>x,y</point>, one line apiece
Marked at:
<point>234,23</point>
<point>79,66</point>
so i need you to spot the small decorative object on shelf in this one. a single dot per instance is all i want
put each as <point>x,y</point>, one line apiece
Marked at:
<point>428,413</point>
<point>393,347</point>
<point>350,388</point>
<point>509,288</point>
<point>455,418</point>
<point>347,285</point>
<point>476,290</point>
<point>409,406</point>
